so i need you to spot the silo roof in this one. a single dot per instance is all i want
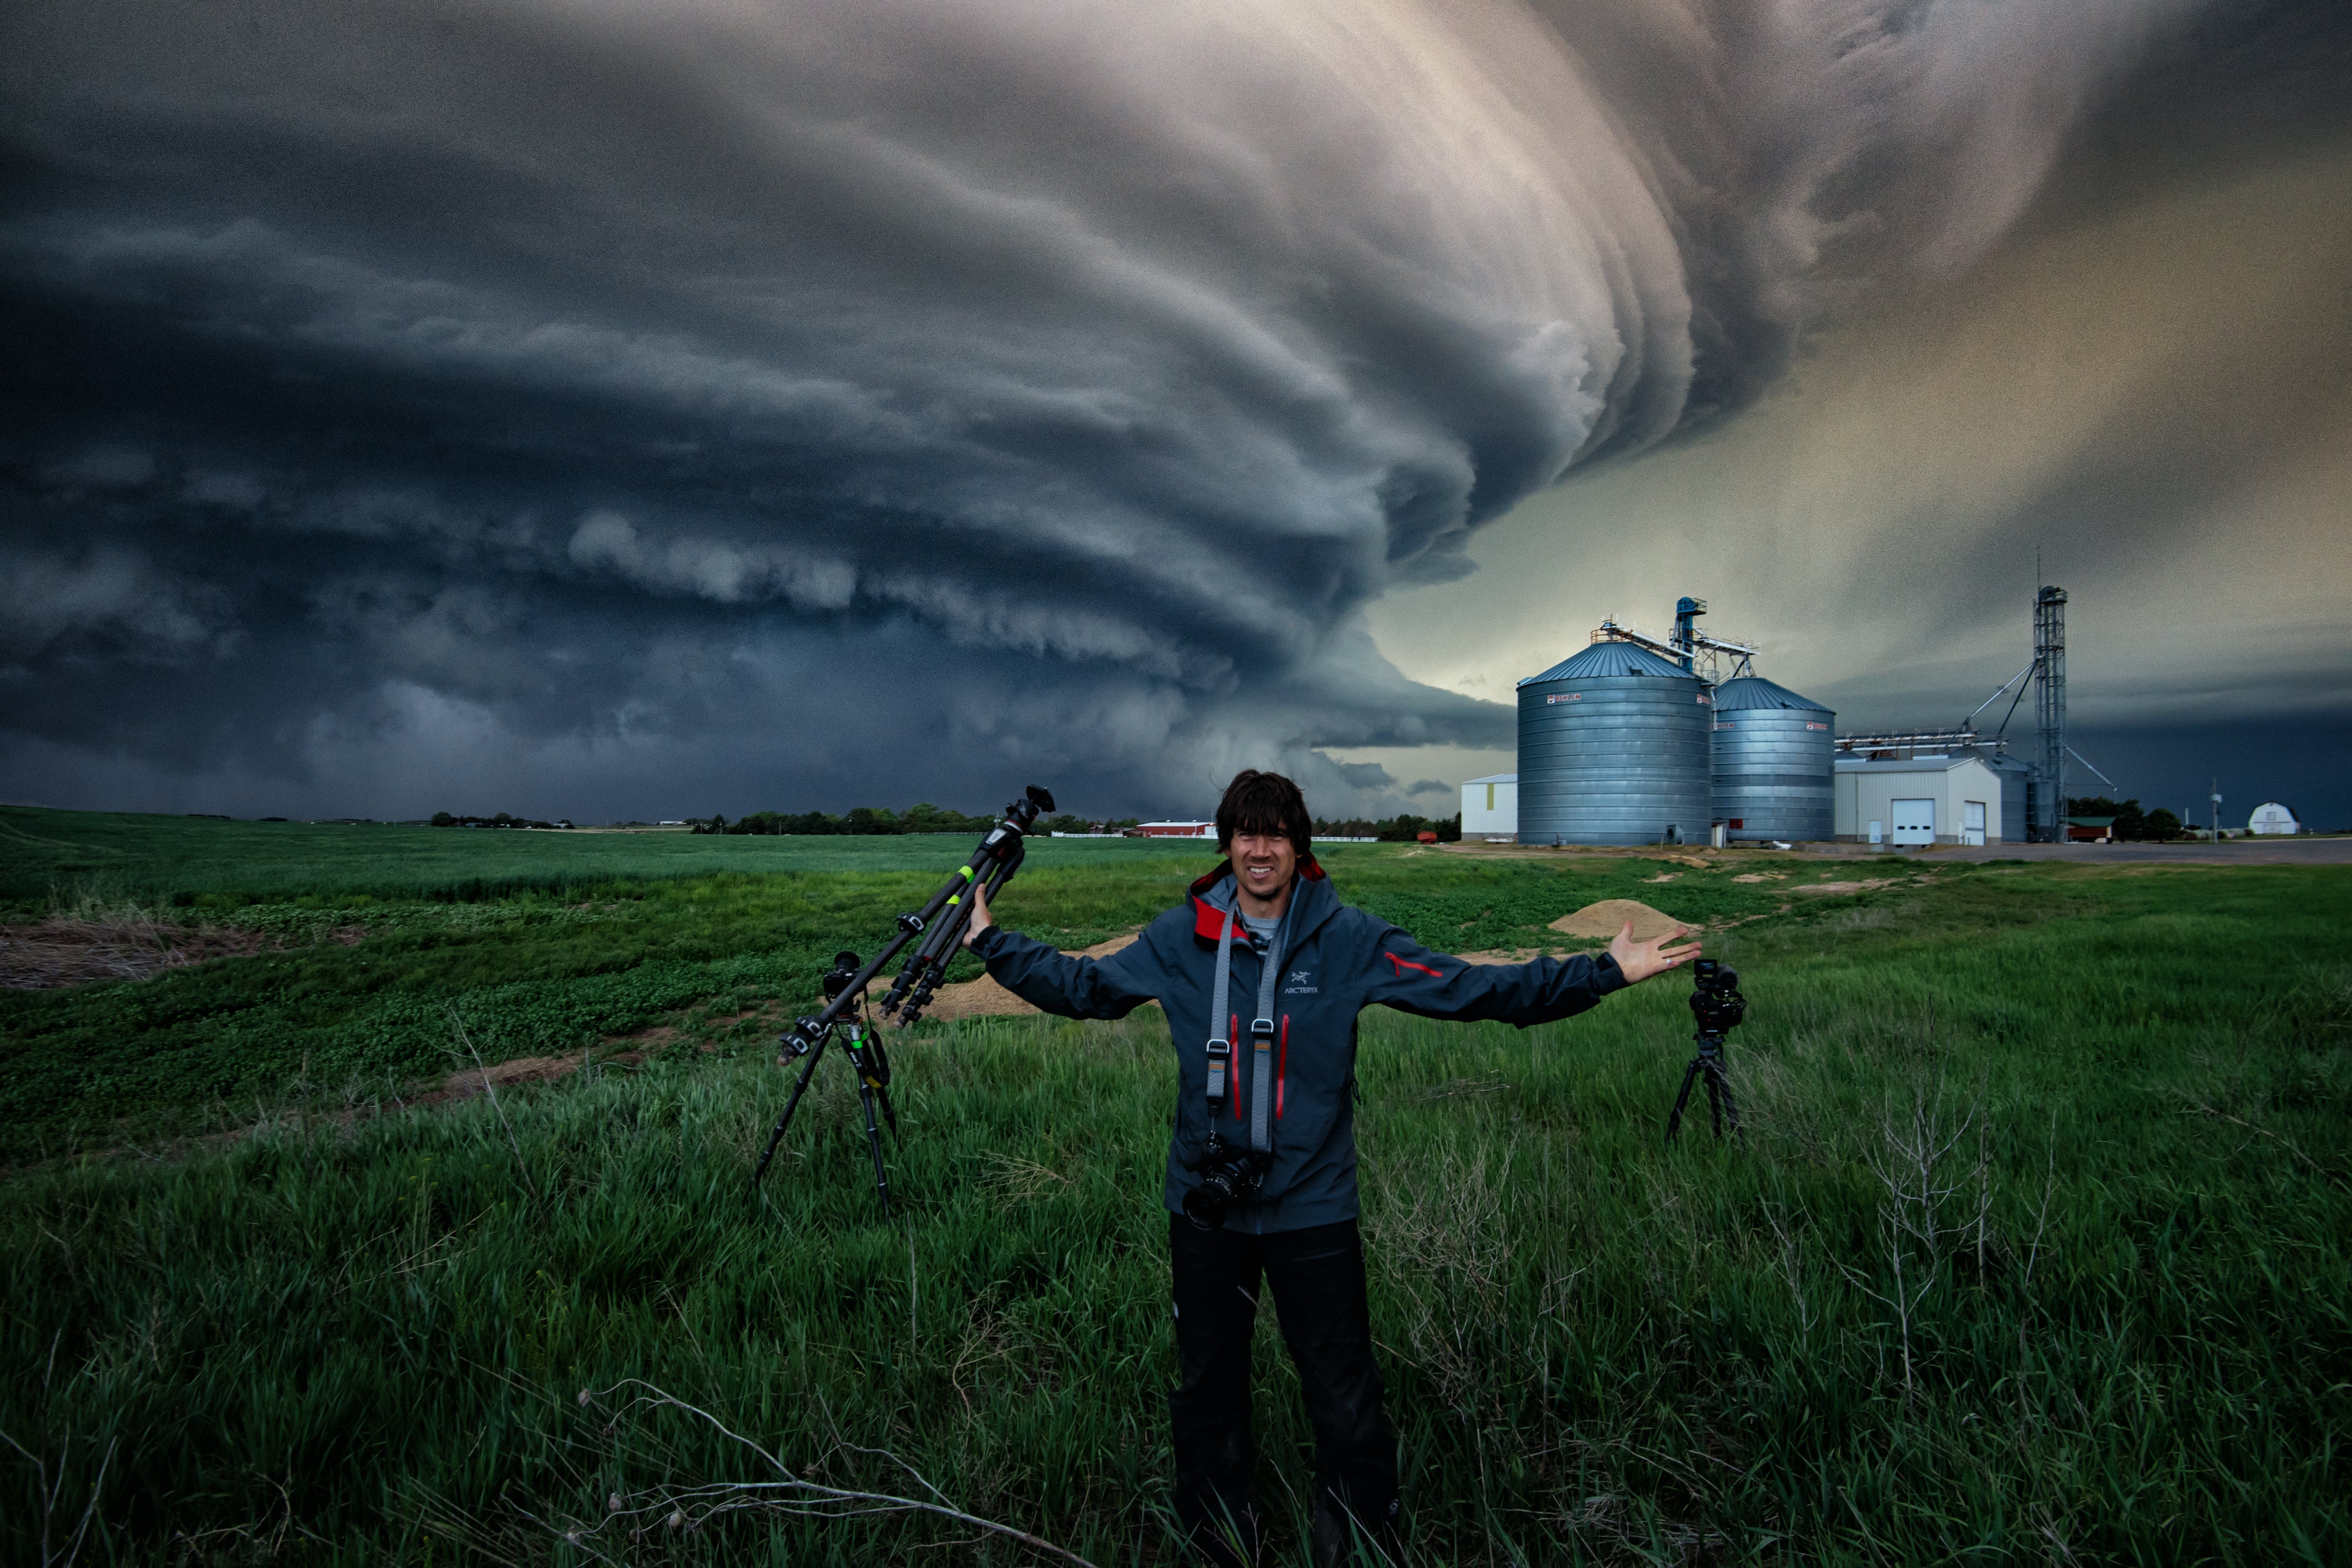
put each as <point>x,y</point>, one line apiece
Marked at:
<point>1607,659</point>
<point>1755,691</point>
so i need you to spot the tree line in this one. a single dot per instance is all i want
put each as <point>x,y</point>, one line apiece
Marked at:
<point>923,817</point>
<point>2132,823</point>
<point>926,817</point>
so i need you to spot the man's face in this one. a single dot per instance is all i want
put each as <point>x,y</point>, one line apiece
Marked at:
<point>1264,862</point>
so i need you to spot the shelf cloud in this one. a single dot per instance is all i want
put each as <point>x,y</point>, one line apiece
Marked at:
<point>601,407</point>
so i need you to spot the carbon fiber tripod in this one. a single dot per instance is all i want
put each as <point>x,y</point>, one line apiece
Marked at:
<point>940,923</point>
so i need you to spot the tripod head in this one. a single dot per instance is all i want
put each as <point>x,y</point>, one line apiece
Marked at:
<point>802,1037</point>
<point>1021,815</point>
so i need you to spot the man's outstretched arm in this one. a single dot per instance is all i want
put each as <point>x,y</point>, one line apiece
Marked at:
<point>1073,987</point>
<point>1414,979</point>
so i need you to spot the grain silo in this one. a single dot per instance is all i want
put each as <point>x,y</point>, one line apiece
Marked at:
<point>1613,749</point>
<point>1774,757</point>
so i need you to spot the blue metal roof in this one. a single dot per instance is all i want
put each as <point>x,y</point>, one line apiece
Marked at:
<point>1607,659</point>
<point>1755,691</point>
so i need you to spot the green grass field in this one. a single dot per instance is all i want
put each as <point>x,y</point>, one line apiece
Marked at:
<point>2036,1249</point>
<point>207,864</point>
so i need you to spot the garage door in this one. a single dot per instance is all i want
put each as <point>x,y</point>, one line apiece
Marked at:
<point>1914,821</point>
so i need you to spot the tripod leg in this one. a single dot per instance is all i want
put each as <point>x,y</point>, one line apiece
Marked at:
<point>874,1142</point>
<point>873,1071</point>
<point>808,1070</point>
<point>1718,1086</point>
<point>1674,1117</point>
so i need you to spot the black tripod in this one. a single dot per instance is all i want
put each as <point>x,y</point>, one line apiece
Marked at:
<point>993,863</point>
<point>1718,1007</point>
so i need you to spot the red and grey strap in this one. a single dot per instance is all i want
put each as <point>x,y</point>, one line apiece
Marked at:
<point>1221,1047</point>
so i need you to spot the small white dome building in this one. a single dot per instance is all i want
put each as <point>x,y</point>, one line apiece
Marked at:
<point>2271,817</point>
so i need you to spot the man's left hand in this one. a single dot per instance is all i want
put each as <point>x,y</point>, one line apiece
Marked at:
<point>1641,960</point>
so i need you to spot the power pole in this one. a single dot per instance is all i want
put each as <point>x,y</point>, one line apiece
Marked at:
<point>2050,714</point>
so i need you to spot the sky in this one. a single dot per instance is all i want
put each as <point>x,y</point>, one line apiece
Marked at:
<point>611,410</point>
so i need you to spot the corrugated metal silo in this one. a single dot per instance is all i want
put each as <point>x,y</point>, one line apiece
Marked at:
<point>1774,752</point>
<point>1613,749</point>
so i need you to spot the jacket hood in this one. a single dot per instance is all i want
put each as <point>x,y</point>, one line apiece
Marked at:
<point>1214,895</point>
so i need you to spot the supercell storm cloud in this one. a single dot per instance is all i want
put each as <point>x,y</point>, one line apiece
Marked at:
<point>721,404</point>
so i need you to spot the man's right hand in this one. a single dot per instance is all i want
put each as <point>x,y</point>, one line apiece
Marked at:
<point>980,921</point>
<point>1639,960</point>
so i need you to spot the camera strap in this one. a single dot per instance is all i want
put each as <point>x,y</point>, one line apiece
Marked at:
<point>1220,1048</point>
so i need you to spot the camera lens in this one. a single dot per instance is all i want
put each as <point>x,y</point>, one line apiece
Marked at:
<point>1205,1204</point>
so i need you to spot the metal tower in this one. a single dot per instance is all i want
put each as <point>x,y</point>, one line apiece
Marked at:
<point>2049,825</point>
<point>1687,611</point>
<point>1703,653</point>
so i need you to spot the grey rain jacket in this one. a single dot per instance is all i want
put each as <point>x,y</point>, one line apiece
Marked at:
<point>1337,961</point>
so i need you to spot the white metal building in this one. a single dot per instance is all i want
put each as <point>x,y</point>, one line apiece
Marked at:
<point>2271,817</point>
<point>1490,808</point>
<point>1952,798</point>
<point>1176,830</point>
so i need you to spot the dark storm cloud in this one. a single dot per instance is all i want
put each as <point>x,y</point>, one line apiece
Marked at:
<point>614,402</point>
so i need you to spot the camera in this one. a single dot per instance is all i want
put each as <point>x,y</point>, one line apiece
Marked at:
<point>1228,1176</point>
<point>846,965</point>
<point>1715,1002</point>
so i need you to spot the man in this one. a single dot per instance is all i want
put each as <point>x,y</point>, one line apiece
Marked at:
<point>1262,971</point>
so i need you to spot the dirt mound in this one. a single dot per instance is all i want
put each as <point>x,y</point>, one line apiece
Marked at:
<point>984,998</point>
<point>1602,921</point>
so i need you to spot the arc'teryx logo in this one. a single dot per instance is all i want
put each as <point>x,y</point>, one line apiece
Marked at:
<point>1298,977</point>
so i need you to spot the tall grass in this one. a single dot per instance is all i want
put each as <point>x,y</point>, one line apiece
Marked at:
<point>2035,1251</point>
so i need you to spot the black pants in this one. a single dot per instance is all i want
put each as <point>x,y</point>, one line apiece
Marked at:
<point>1317,1276</point>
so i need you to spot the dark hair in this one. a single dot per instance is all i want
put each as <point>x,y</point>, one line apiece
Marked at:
<point>1264,803</point>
